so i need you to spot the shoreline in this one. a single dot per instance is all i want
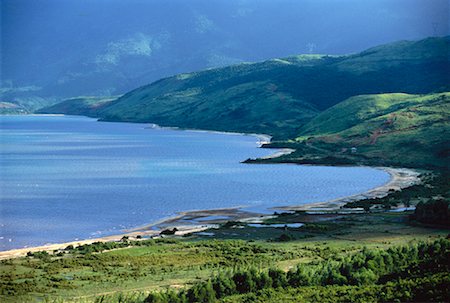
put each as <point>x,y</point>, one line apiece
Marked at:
<point>187,222</point>
<point>400,178</point>
<point>263,138</point>
<point>191,221</point>
<point>148,230</point>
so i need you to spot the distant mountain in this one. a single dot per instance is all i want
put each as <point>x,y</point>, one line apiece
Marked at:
<point>27,103</point>
<point>280,96</point>
<point>54,50</point>
<point>387,105</point>
<point>83,105</point>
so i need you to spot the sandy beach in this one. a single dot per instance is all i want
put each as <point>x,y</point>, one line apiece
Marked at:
<point>279,153</point>
<point>199,220</point>
<point>400,178</point>
<point>192,221</point>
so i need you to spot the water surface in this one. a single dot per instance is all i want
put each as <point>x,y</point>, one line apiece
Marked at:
<point>65,177</point>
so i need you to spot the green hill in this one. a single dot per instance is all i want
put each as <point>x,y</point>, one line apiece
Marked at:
<point>303,97</point>
<point>280,96</point>
<point>86,106</point>
<point>392,129</point>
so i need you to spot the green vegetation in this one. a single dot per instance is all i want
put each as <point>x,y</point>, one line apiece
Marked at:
<point>127,266</point>
<point>434,207</point>
<point>434,187</point>
<point>279,96</point>
<point>366,257</point>
<point>130,269</point>
<point>388,129</point>
<point>367,273</point>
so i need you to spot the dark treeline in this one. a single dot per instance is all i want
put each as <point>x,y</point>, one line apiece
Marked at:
<point>435,212</point>
<point>434,209</point>
<point>399,272</point>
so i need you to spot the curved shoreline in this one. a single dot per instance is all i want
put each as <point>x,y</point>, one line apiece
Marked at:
<point>400,178</point>
<point>196,220</point>
<point>187,222</point>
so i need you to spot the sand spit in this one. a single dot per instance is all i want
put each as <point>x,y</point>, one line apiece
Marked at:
<point>400,178</point>
<point>279,153</point>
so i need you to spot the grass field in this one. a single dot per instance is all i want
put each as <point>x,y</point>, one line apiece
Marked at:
<point>176,263</point>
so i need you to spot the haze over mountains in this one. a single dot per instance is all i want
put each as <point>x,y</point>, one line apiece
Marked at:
<point>277,96</point>
<point>53,50</point>
<point>323,104</point>
<point>185,63</point>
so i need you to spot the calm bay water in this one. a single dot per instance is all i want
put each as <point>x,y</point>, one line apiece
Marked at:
<point>64,178</point>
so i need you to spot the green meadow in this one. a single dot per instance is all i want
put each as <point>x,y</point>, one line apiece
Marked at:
<point>87,272</point>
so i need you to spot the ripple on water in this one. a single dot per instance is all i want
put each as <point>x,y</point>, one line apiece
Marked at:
<point>68,177</point>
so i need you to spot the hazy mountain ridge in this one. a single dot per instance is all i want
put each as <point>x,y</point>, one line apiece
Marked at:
<point>80,48</point>
<point>82,105</point>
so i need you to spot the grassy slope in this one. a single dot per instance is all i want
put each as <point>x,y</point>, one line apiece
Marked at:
<point>86,106</point>
<point>239,98</point>
<point>279,96</point>
<point>387,127</point>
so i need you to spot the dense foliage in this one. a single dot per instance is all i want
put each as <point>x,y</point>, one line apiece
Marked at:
<point>125,271</point>
<point>416,272</point>
<point>434,212</point>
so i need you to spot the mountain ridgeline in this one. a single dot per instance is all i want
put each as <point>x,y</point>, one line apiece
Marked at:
<point>82,105</point>
<point>280,96</point>
<point>378,101</point>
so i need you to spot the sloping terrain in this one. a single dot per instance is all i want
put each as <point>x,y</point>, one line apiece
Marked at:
<point>395,129</point>
<point>300,97</point>
<point>10,108</point>
<point>279,96</point>
<point>85,106</point>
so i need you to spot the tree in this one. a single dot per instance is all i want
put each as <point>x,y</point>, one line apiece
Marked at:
<point>202,292</point>
<point>278,278</point>
<point>223,285</point>
<point>244,282</point>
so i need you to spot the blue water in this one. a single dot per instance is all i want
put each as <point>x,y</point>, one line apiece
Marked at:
<point>65,177</point>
